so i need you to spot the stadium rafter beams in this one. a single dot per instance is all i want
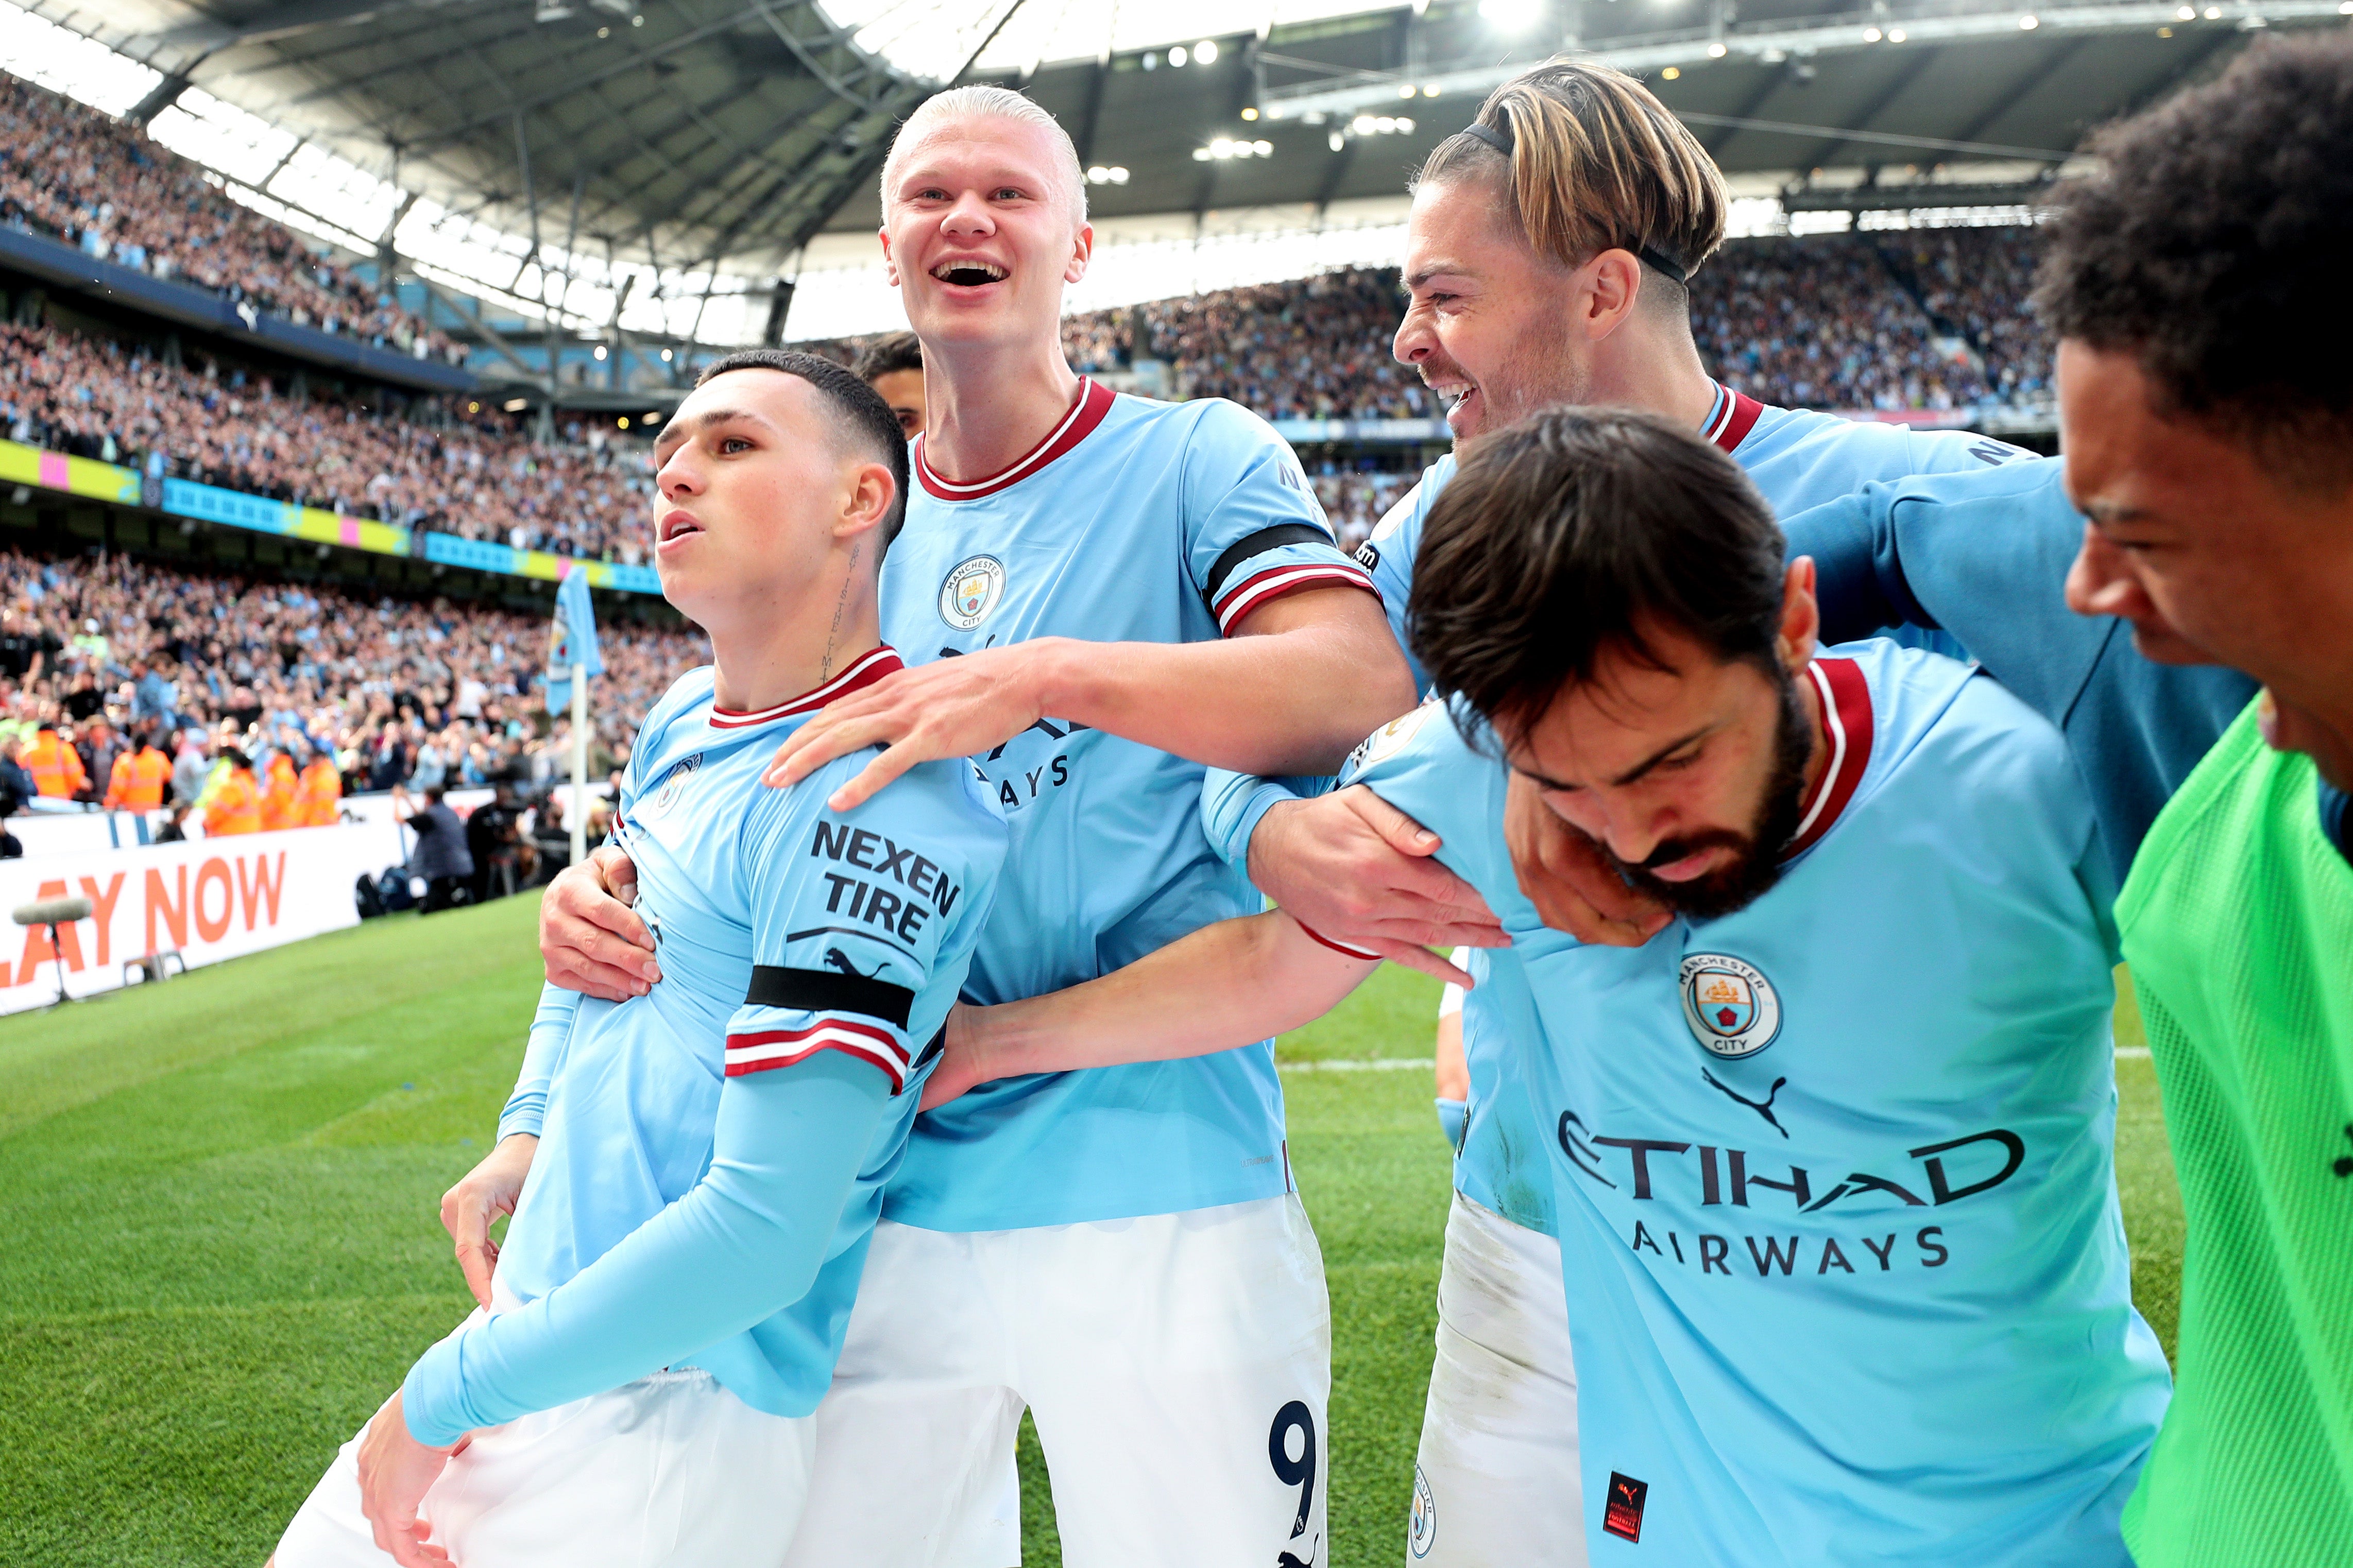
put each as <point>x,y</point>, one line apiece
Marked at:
<point>687,125</point>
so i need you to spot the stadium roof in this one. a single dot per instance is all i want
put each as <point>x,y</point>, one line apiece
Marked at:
<point>622,159</point>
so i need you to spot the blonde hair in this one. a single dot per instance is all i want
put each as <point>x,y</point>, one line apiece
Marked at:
<point>1594,162</point>
<point>979,102</point>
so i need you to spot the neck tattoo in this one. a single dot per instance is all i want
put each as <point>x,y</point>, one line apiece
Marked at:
<point>841,603</point>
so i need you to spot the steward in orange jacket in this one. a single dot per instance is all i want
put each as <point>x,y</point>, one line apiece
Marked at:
<point>55,765</point>
<point>281,805</point>
<point>320,798</point>
<point>236,804</point>
<point>138,781</point>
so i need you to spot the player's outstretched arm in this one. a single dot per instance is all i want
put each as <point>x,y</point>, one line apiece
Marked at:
<point>1357,870</point>
<point>1299,682</point>
<point>1227,984</point>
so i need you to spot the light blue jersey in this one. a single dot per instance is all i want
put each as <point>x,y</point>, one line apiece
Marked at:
<point>1797,459</point>
<point>692,1203</point>
<point>1133,520</point>
<point>1844,1263</point>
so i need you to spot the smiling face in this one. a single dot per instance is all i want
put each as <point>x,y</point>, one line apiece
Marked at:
<point>1489,321</point>
<point>754,484</point>
<point>2210,553</point>
<point>980,231</point>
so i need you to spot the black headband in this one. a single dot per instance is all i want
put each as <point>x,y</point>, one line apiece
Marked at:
<point>1501,140</point>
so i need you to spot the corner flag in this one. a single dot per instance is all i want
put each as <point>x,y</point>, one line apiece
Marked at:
<point>572,639</point>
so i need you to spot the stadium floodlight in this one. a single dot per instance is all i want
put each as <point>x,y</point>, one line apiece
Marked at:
<point>1263,149</point>
<point>2028,24</point>
<point>1430,91</point>
<point>1894,34</point>
<point>1715,51</point>
<point>1250,112</point>
<point>1870,35</point>
<point>1406,91</point>
<point>1335,141</point>
<point>1206,51</point>
<point>1177,55</point>
<point>516,405</point>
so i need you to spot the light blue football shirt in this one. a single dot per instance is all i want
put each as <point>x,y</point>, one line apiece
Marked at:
<point>1133,520</point>
<point>1797,459</point>
<point>689,1203</point>
<point>1845,1269</point>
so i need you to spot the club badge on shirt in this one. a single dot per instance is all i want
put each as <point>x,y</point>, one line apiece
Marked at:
<point>1731,1007</point>
<point>972,589</point>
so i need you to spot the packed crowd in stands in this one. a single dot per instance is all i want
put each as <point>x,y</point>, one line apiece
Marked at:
<point>100,652</point>
<point>1887,322</point>
<point>75,174</point>
<point>1977,279</point>
<point>481,479</point>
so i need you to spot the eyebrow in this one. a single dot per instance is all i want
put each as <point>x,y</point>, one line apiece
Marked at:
<point>673,436</point>
<point>1631,774</point>
<point>1441,270</point>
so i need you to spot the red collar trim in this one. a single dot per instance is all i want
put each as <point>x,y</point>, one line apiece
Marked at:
<point>1846,719</point>
<point>869,669</point>
<point>1734,416</point>
<point>1086,412</point>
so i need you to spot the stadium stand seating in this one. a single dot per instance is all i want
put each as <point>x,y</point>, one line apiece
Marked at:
<point>74,173</point>
<point>1885,322</point>
<point>478,477</point>
<point>400,691</point>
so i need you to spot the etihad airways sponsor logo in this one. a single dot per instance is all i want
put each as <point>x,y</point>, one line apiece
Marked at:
<point>1946,1171</point>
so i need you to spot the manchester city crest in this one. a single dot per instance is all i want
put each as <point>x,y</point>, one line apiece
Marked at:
<point>1422,1527</point>
<point>973,588</point>
<point>1731,1007</point>
<point>674,784</point>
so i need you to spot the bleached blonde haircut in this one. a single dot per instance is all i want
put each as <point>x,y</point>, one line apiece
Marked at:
<point>983,102</point>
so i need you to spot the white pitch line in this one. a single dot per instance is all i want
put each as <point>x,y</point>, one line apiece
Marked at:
<point>2132,1053</point>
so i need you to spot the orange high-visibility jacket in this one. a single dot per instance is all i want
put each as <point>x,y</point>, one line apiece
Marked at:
<point>138,781</point>
<point>56,767</point>
<point>235,807</point>
<point>280,808</point>
<point>321,799</point>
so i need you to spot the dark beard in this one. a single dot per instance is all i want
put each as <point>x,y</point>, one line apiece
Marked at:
<point>1756,863</point>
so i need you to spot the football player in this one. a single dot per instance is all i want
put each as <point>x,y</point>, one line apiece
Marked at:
<point>1832,1151</point>
<point>1548,255</point>
<point>705,1160</point>
<point>1099,595</point>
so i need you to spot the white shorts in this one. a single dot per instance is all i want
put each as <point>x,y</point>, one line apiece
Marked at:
<point>671,1470</point>
<point>1178,1367</point>
<point>1495,1484</point>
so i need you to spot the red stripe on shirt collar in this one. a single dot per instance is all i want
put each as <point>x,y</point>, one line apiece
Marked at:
<point>865,671</point>
<point>1733,415</point>
<point>1087,410</point>
<point>1846,723</point>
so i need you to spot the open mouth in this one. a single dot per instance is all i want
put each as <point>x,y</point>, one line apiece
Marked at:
<point>674,525</point>
<point>969,273</point>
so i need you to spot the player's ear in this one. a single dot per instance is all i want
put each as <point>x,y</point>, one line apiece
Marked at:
<point>1801,616</point>
<point>867,495</point>
<point>1082,249</point>
<point>890,262</point>
<point>1611,287</point>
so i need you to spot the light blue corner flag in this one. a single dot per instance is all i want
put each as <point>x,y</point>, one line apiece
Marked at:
<point>571,640</point>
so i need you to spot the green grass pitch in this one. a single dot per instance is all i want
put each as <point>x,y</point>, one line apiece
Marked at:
<point>218,1248</point>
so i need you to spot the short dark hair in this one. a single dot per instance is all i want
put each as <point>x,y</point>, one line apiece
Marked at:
<point>2212,245</point>
<point>889,354</point>
<point>1576,531</point>
<point>861,415</point>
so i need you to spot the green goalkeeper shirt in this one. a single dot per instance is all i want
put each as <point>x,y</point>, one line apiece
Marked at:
<point>2238,924</point>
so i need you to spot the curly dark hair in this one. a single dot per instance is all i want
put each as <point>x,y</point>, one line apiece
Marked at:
<point>2214,246</point>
